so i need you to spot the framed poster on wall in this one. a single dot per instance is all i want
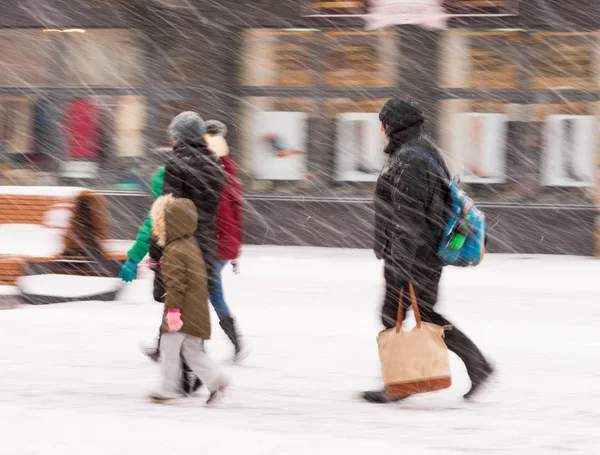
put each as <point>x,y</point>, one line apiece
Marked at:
<point>479,145</point>
<point>569,150</point>
<point>359,147</point>
<point>280,145</point>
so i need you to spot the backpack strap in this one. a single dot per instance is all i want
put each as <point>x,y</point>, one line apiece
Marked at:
<point>425,154</point>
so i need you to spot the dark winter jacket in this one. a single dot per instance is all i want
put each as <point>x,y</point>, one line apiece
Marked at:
<point>411,195</point>
<point>193,172</point>
<point>174,222</point>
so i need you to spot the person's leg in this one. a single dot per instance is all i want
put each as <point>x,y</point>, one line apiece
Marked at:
<point>226,320</point>
<point>389,310</point>
<point>426,284</point>
<point>389,315</point>
<point>158,293</point>
<point>158,288</point>
<point>171,345</point>
<point>190,383</point>
<point>217,296</point>
<point>203,366</point>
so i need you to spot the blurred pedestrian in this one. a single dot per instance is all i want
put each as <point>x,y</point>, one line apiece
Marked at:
<point>411,200</point>
<point>193,172</point>
<point>229,230</point>
<point>186,319</point>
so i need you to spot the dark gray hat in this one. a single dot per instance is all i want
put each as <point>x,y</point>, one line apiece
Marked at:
<point>216,128</point>
<point>187,126</point>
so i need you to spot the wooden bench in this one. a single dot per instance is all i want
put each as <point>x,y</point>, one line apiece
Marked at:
<point>55,230</point>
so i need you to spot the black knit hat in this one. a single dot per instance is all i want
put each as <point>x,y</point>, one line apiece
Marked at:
<point>397,115</point>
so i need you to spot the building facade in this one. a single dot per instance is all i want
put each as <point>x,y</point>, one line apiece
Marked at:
<point>87,89</point>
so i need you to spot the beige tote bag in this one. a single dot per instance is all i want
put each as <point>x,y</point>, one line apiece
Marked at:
<point>413,362</point>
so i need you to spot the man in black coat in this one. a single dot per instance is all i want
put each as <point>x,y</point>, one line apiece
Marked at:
<point>411,200</point>
<point>193,172</point>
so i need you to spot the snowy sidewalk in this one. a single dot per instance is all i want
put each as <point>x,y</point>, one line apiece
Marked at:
<point>72,380</point>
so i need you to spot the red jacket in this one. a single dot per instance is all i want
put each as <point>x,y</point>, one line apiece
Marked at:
<point>229,217</point>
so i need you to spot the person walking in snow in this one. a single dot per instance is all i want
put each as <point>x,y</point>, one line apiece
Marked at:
<point>186,318</point>
<point>229,235</point>
<point>229,229</point>
<point>411,200</point>
<point>193,172</point>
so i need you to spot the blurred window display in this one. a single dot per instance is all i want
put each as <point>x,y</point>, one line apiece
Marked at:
<point>278,58</point>
<point>479,59</point>
<point>16,124</point>
<point>294,58</point>
<point>274,141</point>
<point>568,143</point>
<point>93,138</point>
<point>569,150</point>
<point>360,146</point>
<point>474,136</point>
<point>101,132</point>
<point>479,145</point>
<point>360,58</point>
<point>565,60</point>
<point>26,145</point>
<point>359,141</point>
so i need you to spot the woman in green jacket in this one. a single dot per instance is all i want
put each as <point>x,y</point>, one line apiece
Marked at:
<point>142,242</point>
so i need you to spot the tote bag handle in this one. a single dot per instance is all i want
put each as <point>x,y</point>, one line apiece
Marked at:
<point>415,308</point>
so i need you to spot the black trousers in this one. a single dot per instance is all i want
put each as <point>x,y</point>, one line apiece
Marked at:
<point>426,274</point>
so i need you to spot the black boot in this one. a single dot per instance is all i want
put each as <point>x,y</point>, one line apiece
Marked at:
<point>478,368</point>
<point>379,396</point>
<point>228,326</point>
<point>477,381</point>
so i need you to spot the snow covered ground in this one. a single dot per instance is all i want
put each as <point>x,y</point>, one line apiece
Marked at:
<point>72,380</point>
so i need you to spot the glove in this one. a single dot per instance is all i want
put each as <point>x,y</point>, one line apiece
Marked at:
<point>129,271</point>
<point>235,264</point>
<point>174,322</point>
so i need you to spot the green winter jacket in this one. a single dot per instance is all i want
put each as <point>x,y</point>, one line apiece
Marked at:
<point>140,248</point>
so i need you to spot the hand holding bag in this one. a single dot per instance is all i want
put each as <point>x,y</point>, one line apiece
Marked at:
<point>413,362</point>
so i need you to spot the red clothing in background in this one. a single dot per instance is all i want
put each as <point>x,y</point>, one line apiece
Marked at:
<point>82,125</point>
<point>229,217</point>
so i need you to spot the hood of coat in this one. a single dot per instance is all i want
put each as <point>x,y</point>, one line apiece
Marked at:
<point>217,144</point>
<point>402,121</point>
<point>173,218</point>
